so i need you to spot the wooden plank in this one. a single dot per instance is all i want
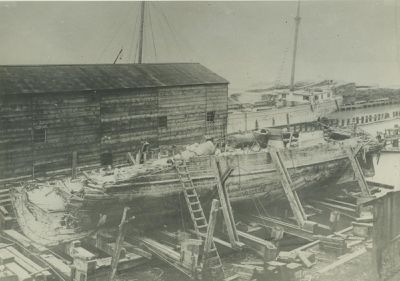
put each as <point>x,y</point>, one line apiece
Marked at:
<point>226,206</point>
<point>341,260</point>
<point>120,239</point>
<point>211,227</point>
<point>358,172</point>
<point>291,195</point>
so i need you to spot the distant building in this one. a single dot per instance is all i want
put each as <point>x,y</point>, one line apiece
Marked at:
<point>101,112</point>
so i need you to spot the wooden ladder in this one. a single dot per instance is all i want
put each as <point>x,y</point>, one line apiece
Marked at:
<point>7,218</point>
<point>211,258</point>
<point>358,172</point>
<point>5,199</point>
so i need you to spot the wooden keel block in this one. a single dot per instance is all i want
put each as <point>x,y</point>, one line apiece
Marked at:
<point>309,226</point>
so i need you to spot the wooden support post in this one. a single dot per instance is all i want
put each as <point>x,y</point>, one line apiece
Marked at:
<point>245,122</point>
<point>211,227</point>
<point>119,242</point>
<point>287,184</point>
<point>226,205</point>
<point>212,264</point>
<point>358,172</point>
<point>74,164</point>
<point>130,158</point>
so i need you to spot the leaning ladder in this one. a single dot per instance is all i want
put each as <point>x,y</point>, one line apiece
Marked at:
<point>211,258</point>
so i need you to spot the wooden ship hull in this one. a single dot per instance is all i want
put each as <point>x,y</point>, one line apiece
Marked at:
<point>254,176</point>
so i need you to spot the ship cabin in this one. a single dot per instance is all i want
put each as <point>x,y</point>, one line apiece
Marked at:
<point>54,116</point>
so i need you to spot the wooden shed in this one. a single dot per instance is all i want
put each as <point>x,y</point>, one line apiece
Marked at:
<point>102,112</point>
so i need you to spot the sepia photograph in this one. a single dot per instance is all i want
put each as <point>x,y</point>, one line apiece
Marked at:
<point>200,140</point>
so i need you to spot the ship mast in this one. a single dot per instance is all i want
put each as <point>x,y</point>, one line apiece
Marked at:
<point>140,55</point>
<point>296,34</point>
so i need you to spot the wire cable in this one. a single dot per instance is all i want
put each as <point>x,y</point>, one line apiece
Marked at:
<point>152,35</point>
<point>117,29</point>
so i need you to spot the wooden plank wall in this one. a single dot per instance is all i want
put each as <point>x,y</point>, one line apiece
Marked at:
<point>128,117</point>
<point>186,109</point>
<point>15,135</point>
<point>71,121</point>
<point>217,101</point>
<point>92,123</point>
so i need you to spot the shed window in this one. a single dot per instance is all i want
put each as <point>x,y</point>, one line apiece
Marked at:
<point>39,135</point>
<point>210,116</point>
<point>162,121</point>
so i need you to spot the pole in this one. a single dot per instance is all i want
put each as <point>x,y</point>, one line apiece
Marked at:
<point>296,35</point>
<point>119,242</point>
<point>140,57</point>
<point>74,164</point>
<point>119,53</point>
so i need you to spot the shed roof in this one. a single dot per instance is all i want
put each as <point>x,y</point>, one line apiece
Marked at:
<point>82,77</point>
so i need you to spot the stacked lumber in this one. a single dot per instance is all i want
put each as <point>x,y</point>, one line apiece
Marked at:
<point>18,267</point>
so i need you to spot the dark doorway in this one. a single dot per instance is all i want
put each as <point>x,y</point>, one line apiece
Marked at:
<point>106,158</point>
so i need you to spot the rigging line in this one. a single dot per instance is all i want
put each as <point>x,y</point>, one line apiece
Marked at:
<point>131,45</point>
<point>115,33</point>
<point>152,34</point>
<point>174,35</point>
<point>397,32</point>
<point>136,52</point>
<point>163,30</point>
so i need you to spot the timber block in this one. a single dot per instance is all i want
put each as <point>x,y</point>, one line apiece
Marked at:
<point>6,220</point>
<point>22,274</point>
<point>292,272</point>
<point>279,269</point>
<point>271,273</point>
<point>362,229</point>
<point>310,226</point>
<point>246,272</point>
<point>112,247</point>
<point>332,244</point>
<point>286,257</point>
<point>6,256</point>
<point>308,259</point>
<point>7,275</point>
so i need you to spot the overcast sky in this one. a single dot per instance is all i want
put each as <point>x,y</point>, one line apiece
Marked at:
<point>248,43</point>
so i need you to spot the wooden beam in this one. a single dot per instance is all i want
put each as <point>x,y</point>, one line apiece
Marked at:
<point>226,207</point>
<point>291,194</point>
<point>265,249</point>
<point>211,227</point>
<point>343,259</point>
<point>74,164</point>
<point>226,175</point>
<point>358,172</point>
<point>119,242</point>
<point>130,158</point>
